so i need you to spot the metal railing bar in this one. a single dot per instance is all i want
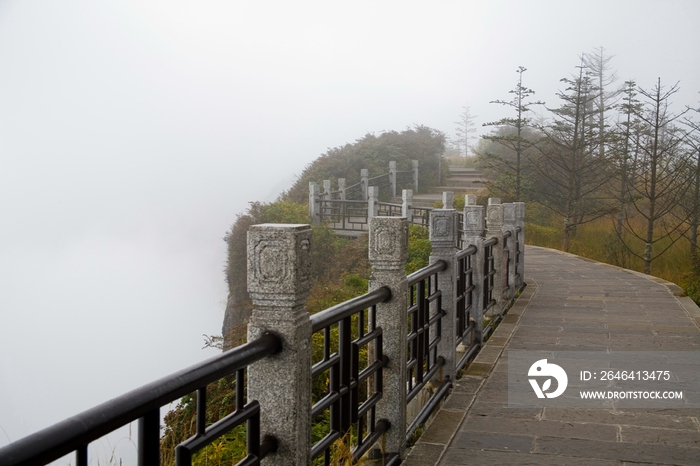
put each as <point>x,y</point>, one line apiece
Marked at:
<point>368,404</point>
<point>469,354</point>
<point>491,241</point>
<point>322,366</point>
<point>149,438</point>
<point>368,337</point>
<point>426,378</point>
<point>425,272</point>
<point>380,428</point>
<point>468,251</point>
<point>325,443</point>
<point>346,309</point>
<point>81,456</point>
<point>369,370</point>
<point>391,204</point>
<point>216,430</point>
<point>428,409</point>
<point>324,403</point>
<point>67,436</point>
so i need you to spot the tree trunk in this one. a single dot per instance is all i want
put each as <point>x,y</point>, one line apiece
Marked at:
<point>695,217</point>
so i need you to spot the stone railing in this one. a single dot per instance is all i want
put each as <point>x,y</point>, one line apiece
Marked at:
<point>363,195</point>
<point>363,374</point>
<point>449,307</point>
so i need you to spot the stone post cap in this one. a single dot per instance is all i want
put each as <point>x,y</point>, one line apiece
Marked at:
<point>509,214</point>
<point>341,183</point>
<point>279,265</point>
<point>494,200</point>
<point>494,216</point>
<point>470,199</point>
<point>414,163</point>
<point>388,243</point>
<point>519,211</point>
<point>364,172</point>
<point>327,186</point>
<point>443,227</point>
<point>392,165</point>
<point>407,194</point>
<point>448,200</point>
<point>474,220</point>
<point>313,187</point>
<point>373,192</point>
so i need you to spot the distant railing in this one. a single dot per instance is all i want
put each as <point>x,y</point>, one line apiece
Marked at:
<point>393,179</point>
<point>354,215</point>
<point>365,373</point>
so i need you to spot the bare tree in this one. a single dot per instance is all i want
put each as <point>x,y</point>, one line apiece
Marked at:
<point>571,176</point>
<point>660,179</point>
<point>465,127</point>
<point>692,201</point>
<point>626,150</point>
<point>513,140</point>
<point>599,67</point>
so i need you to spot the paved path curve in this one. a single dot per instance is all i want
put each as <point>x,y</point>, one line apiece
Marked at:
<point>570,304</point>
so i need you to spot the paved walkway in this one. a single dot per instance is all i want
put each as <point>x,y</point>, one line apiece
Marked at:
<point>570,304</point>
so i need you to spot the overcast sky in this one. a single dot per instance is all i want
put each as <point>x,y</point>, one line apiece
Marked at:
<point>133,132</point>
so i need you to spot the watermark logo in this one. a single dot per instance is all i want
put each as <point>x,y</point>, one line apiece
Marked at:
<point>542,368</point>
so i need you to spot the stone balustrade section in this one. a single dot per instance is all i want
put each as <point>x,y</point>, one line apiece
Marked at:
<point>279,282</point>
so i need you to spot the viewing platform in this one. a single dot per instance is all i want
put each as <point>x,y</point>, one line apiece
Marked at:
<point>570,304</point>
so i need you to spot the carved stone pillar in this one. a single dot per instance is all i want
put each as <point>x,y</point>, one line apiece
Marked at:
<point>509,225</point>
<point>414,164</point>
<point>341,188</point>
<point>278,284</point>
<point>473,234</point>
<point>407,205</point>
<point>443,238</point>
<point>520,222</point>
<point>448,200</point>
<point>326,189</point>
<point>314,204</point>
<point>388,253</point>
<point>372,199</point>
<point>494,228</point>
<point>364,182</point>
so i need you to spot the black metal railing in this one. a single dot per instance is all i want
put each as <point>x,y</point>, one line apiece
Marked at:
<point>387,209</point>
<point>421,216</point>
<point>505,262</point>
<point>489,283</point>
<point>404,176</point>
<point>344,215</point>
<point>143,404</point>
<point>350,371</point>
<point>425,314</point>
<point>354,191</point>
<point>464,305</point>
<point>518,278</point>
<point>381,181</point>
<point>352,215</point>
<point>460,230</point>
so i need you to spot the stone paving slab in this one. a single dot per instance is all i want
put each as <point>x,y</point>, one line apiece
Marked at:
<point>574,304</point>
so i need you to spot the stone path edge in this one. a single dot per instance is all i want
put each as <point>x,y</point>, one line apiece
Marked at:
<point>691,309</point>
<point>441,430</point>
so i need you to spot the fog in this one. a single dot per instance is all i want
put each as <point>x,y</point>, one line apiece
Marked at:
<point>133,132</point>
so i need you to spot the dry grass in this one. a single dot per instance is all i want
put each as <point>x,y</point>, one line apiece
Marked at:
<point>597,240</point>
